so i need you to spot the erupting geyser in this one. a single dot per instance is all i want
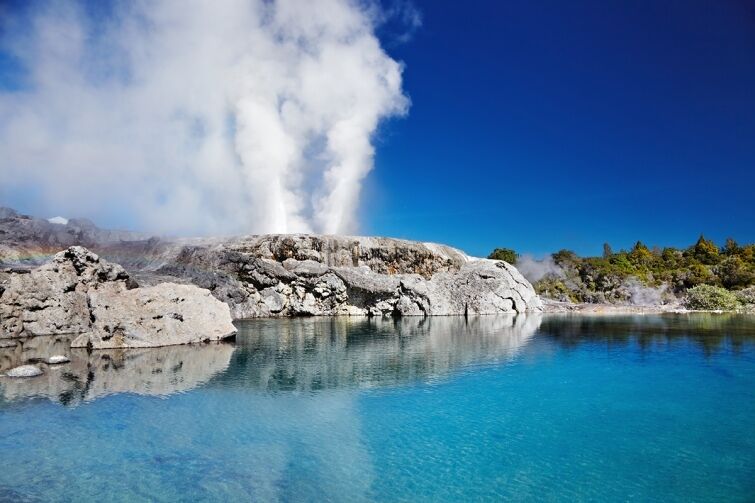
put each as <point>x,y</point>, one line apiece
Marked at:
<point>213,117</point>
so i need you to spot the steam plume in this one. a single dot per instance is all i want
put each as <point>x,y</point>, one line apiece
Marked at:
<point>535,270</point>
<point>194,117</point>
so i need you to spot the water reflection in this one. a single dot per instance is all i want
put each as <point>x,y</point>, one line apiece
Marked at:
<point>710,331</point>
<point>91,375</point>
<point>313,354</point>
<point>304,354</point>
<point>256,431</point>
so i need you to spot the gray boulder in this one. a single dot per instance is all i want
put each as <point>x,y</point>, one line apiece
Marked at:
<point>294,275</point>
<point>163,315</point>
<point>479,287</point>
<point>52,299</point>
<point>78,293</point>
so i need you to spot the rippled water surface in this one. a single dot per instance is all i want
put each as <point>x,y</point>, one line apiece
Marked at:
<point>658,408</point>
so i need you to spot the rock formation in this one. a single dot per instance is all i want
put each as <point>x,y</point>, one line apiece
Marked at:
<point>291,275</point>
<point>78,293</point>
<point>162,315</point>
<point>295,275</point>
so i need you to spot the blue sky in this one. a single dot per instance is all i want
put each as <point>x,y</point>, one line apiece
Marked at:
<point>550,124</point>
<point>541,125</point>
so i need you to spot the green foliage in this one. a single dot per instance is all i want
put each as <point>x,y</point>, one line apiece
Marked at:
<point>734,273</point>
<point>640,256</point>
<point>697,274</point>
<point>705,251</point>
<point>708,297</point>
<point>565,257</point>
<point>747,253</point>
<point>555,288</point>
<point>505,254</point>
<point>731,248</point>
<point>604,278</point>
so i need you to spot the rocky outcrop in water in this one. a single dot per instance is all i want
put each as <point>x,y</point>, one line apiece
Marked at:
<point>78,293</point>
<point>166,314</point>
<point>298,275</point>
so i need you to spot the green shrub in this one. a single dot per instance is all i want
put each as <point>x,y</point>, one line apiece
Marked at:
<point>505,254</point>
<point>565,258</point>
<point>705,251</point>
<point>711,298</point>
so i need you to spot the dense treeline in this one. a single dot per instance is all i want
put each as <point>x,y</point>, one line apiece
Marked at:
<point>615,276</point>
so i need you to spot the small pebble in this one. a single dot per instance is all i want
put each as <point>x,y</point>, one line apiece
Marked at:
<point>56,359</point>
<point>24,371</point>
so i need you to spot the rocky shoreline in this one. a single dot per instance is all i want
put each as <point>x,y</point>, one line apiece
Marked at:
<point>125,290</point>
<point>291,275</point>
<point>554,306</point>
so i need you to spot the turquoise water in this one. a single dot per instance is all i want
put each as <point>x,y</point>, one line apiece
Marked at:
<point>557,408</point>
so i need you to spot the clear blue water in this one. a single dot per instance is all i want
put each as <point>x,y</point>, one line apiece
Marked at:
<point>558,408</point>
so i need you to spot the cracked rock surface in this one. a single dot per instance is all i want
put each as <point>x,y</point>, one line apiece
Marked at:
<point>296,275</point>
<point>267,275</point>
<point>78,293</point>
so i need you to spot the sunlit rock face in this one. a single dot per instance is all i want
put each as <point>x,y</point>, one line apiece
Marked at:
<point>95,374</point>
<point>78,293</point>
<point>295,275</point>
<point>52,299</point>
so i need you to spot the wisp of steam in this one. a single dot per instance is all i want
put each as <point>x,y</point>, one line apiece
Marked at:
<point>188,116</point>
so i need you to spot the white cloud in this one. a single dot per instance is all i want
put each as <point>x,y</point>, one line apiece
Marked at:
<point>201,117</point>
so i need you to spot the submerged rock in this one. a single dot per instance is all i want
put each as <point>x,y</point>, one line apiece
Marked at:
<point>57,360</point>
<point>95,374</point>
<point>78,293</point>
<point>24,371</point>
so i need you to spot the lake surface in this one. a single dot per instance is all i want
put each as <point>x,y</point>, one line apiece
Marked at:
<point>553,407</point>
